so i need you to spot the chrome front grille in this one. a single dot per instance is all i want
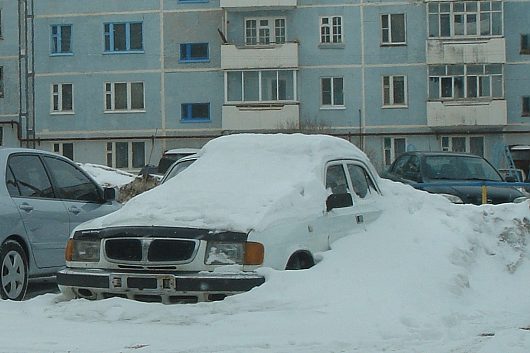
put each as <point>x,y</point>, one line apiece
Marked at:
<point>148,251</point>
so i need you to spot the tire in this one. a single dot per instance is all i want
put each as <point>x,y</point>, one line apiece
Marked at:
<point>13,271</point>
<point>300,261</point>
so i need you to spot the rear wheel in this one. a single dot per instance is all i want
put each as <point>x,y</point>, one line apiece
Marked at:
<point>13,271</point>
<point>300,261</point>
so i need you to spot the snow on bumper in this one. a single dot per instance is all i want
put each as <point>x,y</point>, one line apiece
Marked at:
<point>159,287</point>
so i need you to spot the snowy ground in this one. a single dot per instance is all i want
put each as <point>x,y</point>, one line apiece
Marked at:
<point>428,276</point>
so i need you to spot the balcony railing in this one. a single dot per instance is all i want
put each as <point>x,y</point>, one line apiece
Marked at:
<point>242,4</point>
<point>260,117</point>
<point>259,56</point>
<point>468,114</point>
<point>457,51</point>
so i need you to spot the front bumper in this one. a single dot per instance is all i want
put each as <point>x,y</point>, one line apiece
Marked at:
<point>169,287</point>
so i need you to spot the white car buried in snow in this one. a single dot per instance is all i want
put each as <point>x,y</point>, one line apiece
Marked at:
<point>248,201</point>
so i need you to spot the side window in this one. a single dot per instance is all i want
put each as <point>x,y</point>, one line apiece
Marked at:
<point>71,183</point>
<point>411,170</point>
<point>399,165</point>
<point>336,179</point>
<point>11,183</point>
<point>30,176</point>
<point>361,182</point>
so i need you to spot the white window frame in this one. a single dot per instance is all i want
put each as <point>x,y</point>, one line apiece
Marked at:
<point>111,93</point>
<point>391,151</point>
<point>112,152</point>
<point>448,147</point>
<point>334,38</point>
<point>479,12</point>
<point>260,87</point>
<point>272,30</point>
<point>391,103</point>
<point>59,96</point>
<point>390,40</point>
<point>333,105</point>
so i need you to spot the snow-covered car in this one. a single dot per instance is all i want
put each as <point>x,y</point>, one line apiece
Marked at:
<point>43,197</point>
<point>178,167</point>
<point>248,201</point>
<point>171,156</point>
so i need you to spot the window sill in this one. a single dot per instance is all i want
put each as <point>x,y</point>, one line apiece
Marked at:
<point>395,106</point>
<point>70,112</point>
<point>331,45</point>
<point>194,61</point>
<point>123,111</point>
<point>333,107</point>
<point>61,54</point>
<point>404,44</point>
<point>123,52</point>
<point>188,121</point>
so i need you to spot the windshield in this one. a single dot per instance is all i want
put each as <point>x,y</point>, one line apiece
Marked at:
<point>458,168</point>
<point>176,169</point>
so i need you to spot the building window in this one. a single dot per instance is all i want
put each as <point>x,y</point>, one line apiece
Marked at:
<point>525,111</point>
<point>394,91</point>
<point>62,98</point>
<point>453,82</point>
<point>123,37</point>
<point>1,32</point>
<point>1,81</point>
<point>393,147</point>
<point>1,136</point>
<point>465,19</point>
<point>332,94</point>
<point>525,44</point>
<point>66,149</point>
<point>124,96</point>
<point>393,29</point>
<point>465,144</point>
<point>261,86</point>
<point>61,39</point>
<point>194,52</point>
<point>125,155</point>
<point>331,30</point>
<point>259,31</point>
<point>195,112</point>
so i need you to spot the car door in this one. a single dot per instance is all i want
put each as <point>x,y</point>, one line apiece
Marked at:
<point>337,222</point>
<point>365,193</point>
<point>81,196</point>
<point>44,216</point>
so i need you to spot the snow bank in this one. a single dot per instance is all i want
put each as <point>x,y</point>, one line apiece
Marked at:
<point>427,277</point>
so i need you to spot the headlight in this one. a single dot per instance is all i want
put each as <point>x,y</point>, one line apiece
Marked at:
<point>453,198</point>
<point>223,253</point>
<point>83,250</point>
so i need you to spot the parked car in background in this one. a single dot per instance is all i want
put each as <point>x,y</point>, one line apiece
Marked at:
<point>171,156</point>
<point>178,167</point>
<point>447,173</point>
<point>513,174</point>
<point>248,201</point>
<point>43,197</point>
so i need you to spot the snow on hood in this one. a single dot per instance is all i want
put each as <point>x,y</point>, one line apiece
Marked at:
<point>241,182</point>
<point>106,176</point>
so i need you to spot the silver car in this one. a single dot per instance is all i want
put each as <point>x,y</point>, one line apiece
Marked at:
<point>43,196</point>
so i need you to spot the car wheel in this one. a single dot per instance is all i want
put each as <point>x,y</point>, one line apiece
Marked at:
<point>13,271</point>
<point>300,261</point>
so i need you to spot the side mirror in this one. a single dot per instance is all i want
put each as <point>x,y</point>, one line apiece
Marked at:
<point>109,194</point>
<point>338,201</point>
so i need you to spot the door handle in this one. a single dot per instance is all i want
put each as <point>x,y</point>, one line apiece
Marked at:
<point>74,210</point>
<point>359,218</point>
<point>26,207</point>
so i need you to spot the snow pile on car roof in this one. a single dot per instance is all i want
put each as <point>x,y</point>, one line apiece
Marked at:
<point>241,182</point>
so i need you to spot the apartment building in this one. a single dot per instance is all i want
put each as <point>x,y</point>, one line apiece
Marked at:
<point>118,82</point>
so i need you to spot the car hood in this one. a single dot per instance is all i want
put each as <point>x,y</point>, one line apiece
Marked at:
<point>473,193</point>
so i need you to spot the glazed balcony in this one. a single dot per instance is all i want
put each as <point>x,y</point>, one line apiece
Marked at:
<point>258,5</point>
<point>467,114</point>
<point>260,117</point>
<point>470,51</point>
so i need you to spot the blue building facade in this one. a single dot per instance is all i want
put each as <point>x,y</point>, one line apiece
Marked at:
<point>118,82</point>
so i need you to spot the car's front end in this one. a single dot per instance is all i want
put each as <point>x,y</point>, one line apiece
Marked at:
<point>160,264</point>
